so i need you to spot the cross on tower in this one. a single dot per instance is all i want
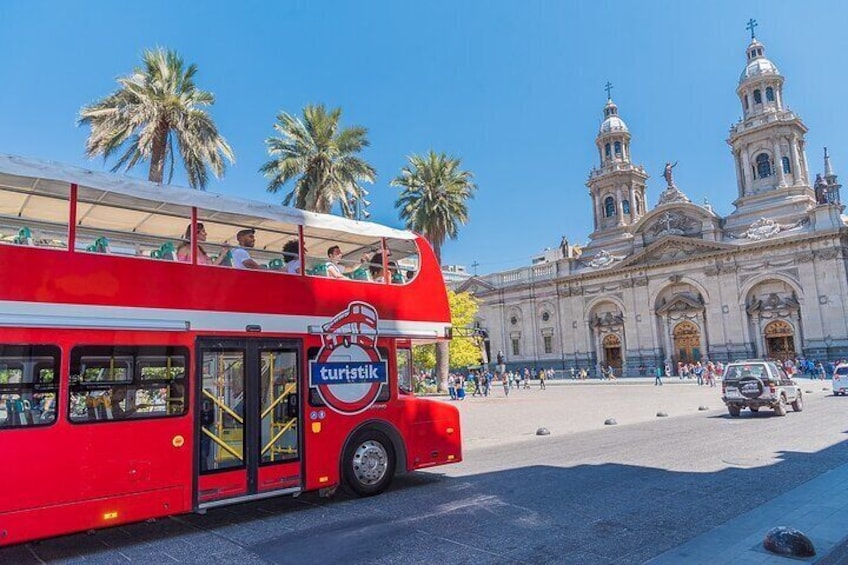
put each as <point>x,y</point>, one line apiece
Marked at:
<point>608,88</point>
<point>752,23</point>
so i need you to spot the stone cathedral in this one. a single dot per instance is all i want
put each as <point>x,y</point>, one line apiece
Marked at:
<point>678,282</point>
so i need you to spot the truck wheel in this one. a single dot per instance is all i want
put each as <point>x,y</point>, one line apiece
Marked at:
<point>755,408</point>
<point>798,405</point>
<point>780,408</point>
<point>369,463</point>
<point>734,411</point>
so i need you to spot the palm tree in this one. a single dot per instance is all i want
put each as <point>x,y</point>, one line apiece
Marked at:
<point>155,106</point>
<point>322,158</point>
<point>433,203</point>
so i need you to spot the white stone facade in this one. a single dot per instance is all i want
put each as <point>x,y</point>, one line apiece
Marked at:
<point>678,282</point>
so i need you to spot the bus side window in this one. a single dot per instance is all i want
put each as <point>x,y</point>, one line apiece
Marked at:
<point>111,383</point>
<point>404,370</point>
<point>28,385</point>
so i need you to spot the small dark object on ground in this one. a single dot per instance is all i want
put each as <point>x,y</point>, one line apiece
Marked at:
<point>543,432</point>
<point>788,541</point>
<point>662,414</point>
<point>703,408</point>
<point>610,422</point>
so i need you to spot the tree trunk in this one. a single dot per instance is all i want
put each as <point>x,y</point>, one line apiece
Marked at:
<point>442,351</point>
<point>157,158</point>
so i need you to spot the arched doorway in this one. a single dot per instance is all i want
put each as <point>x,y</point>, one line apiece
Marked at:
<point>612,351</point>
<point>687,342</point>
<point>780,340</point>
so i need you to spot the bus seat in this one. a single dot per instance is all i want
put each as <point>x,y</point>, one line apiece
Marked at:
<point>167,251</point>
<point>100,245</point>
<point>319,270</point>
<point>360,274</point>
<point>275,264</point>
<point>24,237</point>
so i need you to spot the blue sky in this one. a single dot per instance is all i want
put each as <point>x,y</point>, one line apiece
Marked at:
<point>513,88</point>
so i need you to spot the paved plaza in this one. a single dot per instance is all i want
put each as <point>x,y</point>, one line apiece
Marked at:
<point>650,489</point>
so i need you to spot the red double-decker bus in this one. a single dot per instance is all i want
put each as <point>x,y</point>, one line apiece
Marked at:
<point>165,350</point>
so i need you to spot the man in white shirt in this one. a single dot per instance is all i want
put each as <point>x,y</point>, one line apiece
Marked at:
<point>241,257</point>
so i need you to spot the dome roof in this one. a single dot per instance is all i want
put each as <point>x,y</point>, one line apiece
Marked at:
<point>757,67</point>
<point>758,64</point>
<point>613,123</point>
<point>611,120</point>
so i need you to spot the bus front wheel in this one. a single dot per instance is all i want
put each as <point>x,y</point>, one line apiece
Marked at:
<point>369,463</point>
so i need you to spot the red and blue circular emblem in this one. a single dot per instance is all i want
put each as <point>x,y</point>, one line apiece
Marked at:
<point>348,371</point>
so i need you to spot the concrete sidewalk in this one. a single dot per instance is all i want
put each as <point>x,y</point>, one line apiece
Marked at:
<point>818,508</point>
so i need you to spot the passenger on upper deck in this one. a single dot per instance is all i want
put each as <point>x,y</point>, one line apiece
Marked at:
<point>291,255</point>
<point>184,249</point>
<point>241,257</point>
<point>334,271</point>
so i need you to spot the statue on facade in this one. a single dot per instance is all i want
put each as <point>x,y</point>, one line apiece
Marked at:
<point>667,173</point>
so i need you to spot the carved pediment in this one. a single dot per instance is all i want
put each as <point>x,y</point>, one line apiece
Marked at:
<point>674,249</point>
<point>773,303</point>
<point>475,285</point>
<point>682,303</point>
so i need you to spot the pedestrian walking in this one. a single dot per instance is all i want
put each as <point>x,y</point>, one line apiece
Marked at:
<point>658,376</point>
<point>506,384</point>
<point>542,377</point>
<point>452,386</point>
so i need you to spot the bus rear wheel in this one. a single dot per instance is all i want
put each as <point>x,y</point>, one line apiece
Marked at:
<point>369,463</point>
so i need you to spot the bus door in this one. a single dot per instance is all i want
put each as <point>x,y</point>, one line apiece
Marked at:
<point>248,419</point>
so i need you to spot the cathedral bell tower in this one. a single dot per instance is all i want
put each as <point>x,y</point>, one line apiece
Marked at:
<point>617,186</point>
<point>767,146</point>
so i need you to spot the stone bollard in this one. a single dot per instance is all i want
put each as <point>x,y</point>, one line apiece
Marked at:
<point>543,432</point>
<point>662,414</point>
<point>788,541</point>
<point>610,422</point>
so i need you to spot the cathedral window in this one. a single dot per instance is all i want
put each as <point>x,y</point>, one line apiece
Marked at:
<point>549,343</point>
<point>516,349</point>
<point>786,168</point>
<point>758,97</point>
<point>770,94</point>
<point>609,207</point>
<point>618,148</point>
<point>763,166</point>
<point>607,150</point>
<point>625,205</point>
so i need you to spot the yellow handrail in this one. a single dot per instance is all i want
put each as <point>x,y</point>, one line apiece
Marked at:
<point>223,444</point>
<point>283,430</point>
<point>278,399</point>
<point>223,406</point>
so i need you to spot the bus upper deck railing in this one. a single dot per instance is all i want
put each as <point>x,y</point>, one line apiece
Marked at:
<point>42,206</point>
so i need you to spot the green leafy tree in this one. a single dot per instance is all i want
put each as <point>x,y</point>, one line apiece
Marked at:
<point>433,202</point>
<point>156,108</point>
<point>322,159</point>
<point>463,351</point>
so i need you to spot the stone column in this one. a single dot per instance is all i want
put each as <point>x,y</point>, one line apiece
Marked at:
<point>804,161</point>
<point>796,335</point>
<point>669,343</point>
<point>740,173</point>
<point>620,206</point>
<point>759,343</point>
<point>778,162</point>
<point>746,169</point>
<point>633,211</point>
<point>595,208</point>
<point>796,162</point>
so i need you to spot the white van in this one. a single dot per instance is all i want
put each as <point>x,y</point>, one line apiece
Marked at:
<point>840,379</point>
